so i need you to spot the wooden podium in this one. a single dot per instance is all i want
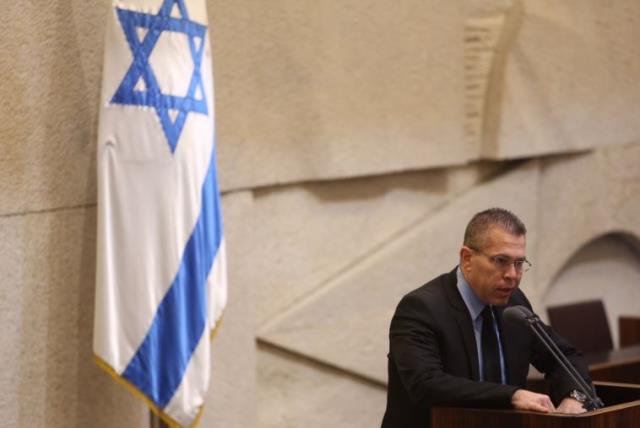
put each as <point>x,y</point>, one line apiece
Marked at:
<point>622,409</point>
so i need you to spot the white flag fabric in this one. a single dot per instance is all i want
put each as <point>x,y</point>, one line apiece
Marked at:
<point>161,275</point>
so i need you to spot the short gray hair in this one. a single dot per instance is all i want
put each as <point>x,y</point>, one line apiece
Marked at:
<point>479,225</point>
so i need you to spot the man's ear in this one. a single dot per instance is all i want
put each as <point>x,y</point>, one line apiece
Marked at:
<point>465,257</point>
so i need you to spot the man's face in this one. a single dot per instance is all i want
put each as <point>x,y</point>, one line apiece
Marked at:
<point>492,283</point>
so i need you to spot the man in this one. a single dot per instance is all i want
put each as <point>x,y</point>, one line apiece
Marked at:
<point>449,346</point>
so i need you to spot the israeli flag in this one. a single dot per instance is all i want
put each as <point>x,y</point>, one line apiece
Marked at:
<point>161,279</point>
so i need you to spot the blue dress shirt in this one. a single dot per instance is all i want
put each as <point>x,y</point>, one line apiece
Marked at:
<point>475,306</point>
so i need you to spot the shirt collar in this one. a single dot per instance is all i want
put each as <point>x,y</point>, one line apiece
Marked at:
<point>473,303</point>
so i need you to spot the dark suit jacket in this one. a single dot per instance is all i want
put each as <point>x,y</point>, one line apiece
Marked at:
<point>433,359</point>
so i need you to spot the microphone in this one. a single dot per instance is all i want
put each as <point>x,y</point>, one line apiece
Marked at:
<point>522,315</point>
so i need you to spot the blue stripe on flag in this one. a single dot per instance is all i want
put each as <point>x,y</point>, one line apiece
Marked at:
<point>159,364</point>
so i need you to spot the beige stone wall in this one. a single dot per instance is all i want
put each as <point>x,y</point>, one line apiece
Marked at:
<point>355,141</point>
<point>333,89</point>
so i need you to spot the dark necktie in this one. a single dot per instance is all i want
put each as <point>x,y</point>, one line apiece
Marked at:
<point>490,350</point>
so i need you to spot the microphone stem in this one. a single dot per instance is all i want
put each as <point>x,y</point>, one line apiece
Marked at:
<point>534,323</point>
<point>583,383</point>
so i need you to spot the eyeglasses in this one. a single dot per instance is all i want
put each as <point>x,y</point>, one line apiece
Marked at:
<point>504,262</point>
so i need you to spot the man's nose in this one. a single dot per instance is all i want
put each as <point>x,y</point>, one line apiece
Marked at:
<point>511,271</point>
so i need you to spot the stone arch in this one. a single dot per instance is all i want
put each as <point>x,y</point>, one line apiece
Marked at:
<point>606,267</point>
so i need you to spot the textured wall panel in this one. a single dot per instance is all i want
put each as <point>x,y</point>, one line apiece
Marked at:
<point>347,323</point>
<point>50,67</point>
<point>569,79</point>
<point>49,377</point>
<point>12,296</point>
<point>309,90</point>
<point>231,400</point>
<point>299,237</point>
<point>583,197</point>
<point>295,393</point>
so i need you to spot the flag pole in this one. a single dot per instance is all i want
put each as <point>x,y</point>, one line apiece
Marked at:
<point>156,421</point>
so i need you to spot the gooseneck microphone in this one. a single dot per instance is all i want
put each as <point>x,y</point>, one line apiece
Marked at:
<point>522,315</point>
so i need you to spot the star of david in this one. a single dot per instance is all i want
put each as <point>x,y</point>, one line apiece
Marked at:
<point>150,95</point>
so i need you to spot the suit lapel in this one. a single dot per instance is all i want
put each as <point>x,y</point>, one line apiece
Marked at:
<point>463,319</point>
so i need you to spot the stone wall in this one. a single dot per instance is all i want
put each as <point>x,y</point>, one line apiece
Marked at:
<point>356,139</point>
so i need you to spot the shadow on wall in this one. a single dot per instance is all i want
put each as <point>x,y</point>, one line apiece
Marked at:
<point>606,268</point>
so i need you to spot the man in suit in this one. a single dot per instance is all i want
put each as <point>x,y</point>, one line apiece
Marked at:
<point>448,345</point>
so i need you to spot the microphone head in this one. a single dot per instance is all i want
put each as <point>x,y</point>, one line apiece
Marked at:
<point>517,314</point>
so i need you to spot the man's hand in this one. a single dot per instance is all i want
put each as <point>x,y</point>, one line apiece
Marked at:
<point>571,405</point>
<point>527,400</point>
